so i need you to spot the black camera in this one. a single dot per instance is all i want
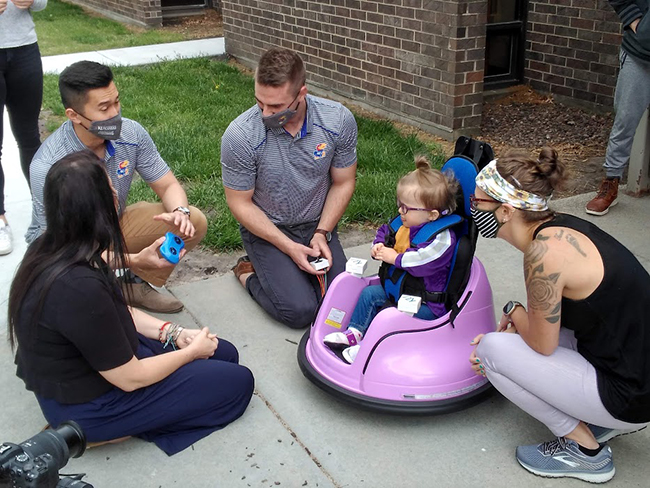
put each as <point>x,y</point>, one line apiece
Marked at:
<point>35,463</point>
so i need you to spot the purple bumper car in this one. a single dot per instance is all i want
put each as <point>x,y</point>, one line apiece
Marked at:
<point>407,365</point>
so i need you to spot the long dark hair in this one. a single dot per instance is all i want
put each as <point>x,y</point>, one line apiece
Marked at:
<point>82,223</point>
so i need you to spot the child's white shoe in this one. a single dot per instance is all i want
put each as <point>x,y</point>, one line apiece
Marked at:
<point>349,337</point>
<point>350,354</point>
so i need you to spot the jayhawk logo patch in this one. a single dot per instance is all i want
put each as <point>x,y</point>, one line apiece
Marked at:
<point>123,169</point>
<point>320,152</point>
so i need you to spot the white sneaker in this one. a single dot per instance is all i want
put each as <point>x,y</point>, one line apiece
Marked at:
<point>6,245</point>
<point>350,354</point>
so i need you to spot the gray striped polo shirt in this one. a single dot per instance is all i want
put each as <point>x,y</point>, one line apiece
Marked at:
<point>290,175</point>
<point>133,151</point>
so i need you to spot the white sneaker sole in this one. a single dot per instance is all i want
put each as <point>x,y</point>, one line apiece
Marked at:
<point>585,476</point>
<point>593,212</point>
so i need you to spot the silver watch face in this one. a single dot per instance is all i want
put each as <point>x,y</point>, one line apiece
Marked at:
<point>185,210</point>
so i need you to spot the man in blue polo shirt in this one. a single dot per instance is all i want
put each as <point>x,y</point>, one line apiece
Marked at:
<point>95,123</point>
<point>288,168</point>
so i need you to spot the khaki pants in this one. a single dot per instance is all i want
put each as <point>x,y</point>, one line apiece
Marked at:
<point>141,230</point>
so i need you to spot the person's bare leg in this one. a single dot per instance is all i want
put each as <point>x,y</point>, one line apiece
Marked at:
<point>583,436</point>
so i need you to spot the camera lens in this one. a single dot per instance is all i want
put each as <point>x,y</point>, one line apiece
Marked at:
<point>172,250</point>
<point>73,437</point>
<point>177,240</point>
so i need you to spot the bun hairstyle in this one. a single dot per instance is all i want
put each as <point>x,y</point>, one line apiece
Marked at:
<point>432,187</point>
<point>541,176</point>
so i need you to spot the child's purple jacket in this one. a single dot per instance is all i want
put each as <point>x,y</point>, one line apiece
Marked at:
<point>430,260</point>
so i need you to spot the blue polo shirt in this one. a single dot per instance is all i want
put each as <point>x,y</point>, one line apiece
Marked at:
<point>290,175</point>
<point>133,152</point>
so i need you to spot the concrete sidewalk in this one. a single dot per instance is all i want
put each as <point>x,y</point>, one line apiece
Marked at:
<point>135,56</point>
<point>295,435</point>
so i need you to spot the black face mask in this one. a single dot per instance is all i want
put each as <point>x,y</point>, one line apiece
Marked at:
<point>487,222</point>
<point>108,129</point>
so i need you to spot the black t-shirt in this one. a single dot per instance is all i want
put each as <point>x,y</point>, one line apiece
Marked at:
<point>612,325</point>
<point>83,329</point>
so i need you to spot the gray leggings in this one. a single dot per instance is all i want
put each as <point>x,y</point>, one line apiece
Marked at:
<point>558,390</point>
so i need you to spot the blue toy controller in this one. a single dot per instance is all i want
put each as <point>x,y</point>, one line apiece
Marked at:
<point>171,248</point>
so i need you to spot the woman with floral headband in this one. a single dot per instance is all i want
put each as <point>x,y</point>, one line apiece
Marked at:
<point>576,358</point>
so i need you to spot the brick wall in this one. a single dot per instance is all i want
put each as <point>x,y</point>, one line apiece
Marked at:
<point>572,49</point>
<point>147,13</point>
<point>418,61</point>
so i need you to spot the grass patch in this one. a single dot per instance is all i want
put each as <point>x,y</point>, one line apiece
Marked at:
<point>186,106</point>
<point>66,28</point>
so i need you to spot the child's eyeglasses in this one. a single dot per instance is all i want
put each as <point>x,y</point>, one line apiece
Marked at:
<point>473,201</point>
<point>404,209</point>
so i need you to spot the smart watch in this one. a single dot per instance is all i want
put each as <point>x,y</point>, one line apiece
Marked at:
<point>509,307</point>
<point>185,210</point>
<point>326,233</point>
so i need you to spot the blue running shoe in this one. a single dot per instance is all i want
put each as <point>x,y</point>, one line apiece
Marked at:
<point>562,458</point>
<point>603,434</point>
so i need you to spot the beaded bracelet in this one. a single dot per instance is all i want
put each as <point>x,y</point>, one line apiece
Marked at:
<point>173,334</point>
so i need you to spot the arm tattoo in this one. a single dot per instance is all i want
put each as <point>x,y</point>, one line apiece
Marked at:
<point>558,235</point>
<point>541,289</point>
<point>574,242</point>
<point>555,314</point>
<point>542,292</point>
<point>534,255</point>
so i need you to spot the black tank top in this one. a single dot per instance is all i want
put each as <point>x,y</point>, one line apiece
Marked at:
<point>612,325</point>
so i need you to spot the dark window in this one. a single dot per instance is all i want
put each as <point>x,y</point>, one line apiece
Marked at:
<point>504,45</point>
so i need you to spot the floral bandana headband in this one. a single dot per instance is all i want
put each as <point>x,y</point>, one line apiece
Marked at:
<point>491,182</point>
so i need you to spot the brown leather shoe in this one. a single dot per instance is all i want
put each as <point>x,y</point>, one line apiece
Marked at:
<point>144,296</point>
<point>243,266</point>
<point>606,198</point>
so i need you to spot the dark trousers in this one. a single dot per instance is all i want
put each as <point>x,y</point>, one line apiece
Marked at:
<point>21,90</point>
<point>287,293</point>
<point>191,403</point>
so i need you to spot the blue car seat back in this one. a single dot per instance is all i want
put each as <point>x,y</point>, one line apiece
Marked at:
<point>465,171</point>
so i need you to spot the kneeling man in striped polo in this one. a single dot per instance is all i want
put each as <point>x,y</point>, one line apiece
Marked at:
<point>288,167</point>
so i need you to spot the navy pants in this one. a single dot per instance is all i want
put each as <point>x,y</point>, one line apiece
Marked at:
<point>21,90</point>
<point>191,403</point>
<point>278,285</point>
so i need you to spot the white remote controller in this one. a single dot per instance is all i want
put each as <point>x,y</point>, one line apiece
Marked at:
<point>320,263</point>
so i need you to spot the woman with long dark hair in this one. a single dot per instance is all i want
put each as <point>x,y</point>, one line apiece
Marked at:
<point>87,356</point>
